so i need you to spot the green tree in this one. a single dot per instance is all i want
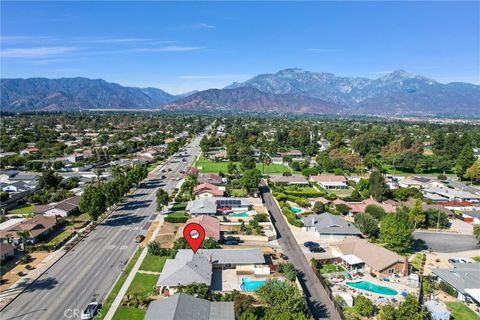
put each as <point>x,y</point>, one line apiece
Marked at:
<point>250,179</point>
<point>162,198</point>
<point>248,163</point>
<point>410,309</point>
<point>387,312</point>
<point>281,296</point>
<point>363,306</point>
<point>342,208</point>
<point>473,173</point>
<point>318,207</point>
<point>242,305</point>
<point>396,231</point>
<point>367,224</point>
<point>476,231</point>
<point>279,315</point>
<point>375,211</point>
<point>93,201</point>
<point>416,213</point>
<point>23,235</point>
<point>465,160</point>
<point>199,290</point>
<point>377,186</point>
<point>49,179</point>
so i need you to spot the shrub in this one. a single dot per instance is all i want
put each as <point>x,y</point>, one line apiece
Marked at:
<point>176,219</point>
<point>291,217</point>
<point>445,287</point>
<point>375,211</point>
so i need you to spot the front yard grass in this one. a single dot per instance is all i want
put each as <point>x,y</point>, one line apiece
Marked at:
<point>330,268</point>
<point>153,263</point>
<point>59,238</point>
<point>23,210</point>
<point>129,313</point>
<point>143,284</point>
<point>476,258</point>
<point>461,311</point>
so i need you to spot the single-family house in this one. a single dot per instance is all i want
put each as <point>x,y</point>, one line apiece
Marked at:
<point>415,182</point>
<point>210,224</point>
<point>211,178</point>
<point>330,181</point>
<point>6,251</point>
<point>471,216</point>
<point>208,190</point>
<point>447,194</point>
<point>182,306</point>
<point>212,205</point>
<point>189,267</point>
<point>37,227</point>
<point>464,278</point>
<point>359,207</point>
<point>322,200</point>
<point>375,259</point>
<point>289,180</point>
<point>329,226</point>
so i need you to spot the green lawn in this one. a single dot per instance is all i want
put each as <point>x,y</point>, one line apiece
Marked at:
<point>143,284</point>
<point>59,238</point>
<point>108,301</point>
<point>23,210</point>
<point>181,206</point>
<point>329,268</point>
<point>153,263</point>
<point>461,311</point>
<point>342,192</point>
<point>129,313</point>
<point>476,258</point>
<point>210,166</point>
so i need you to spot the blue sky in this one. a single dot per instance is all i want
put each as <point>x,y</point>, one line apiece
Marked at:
<point>184,46</point>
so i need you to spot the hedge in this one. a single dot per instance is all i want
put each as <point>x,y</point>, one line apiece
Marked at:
<point>291,217</point>
<point>306,194</point>
<point>176,219</point>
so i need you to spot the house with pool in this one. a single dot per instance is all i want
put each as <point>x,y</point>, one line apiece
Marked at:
<point>213,205</point>
<point>356,253</point>
<point>219,269</point>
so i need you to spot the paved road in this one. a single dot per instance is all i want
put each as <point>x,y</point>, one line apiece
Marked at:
<point>88,271</point>
<point>317,297</point>
<point>444,242</point>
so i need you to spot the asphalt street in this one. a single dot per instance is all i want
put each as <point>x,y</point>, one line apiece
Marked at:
<point>447,242</point>
<point>317,298</point>
<point>87,272</point>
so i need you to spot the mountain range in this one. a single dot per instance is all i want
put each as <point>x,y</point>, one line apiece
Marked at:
<point>287,91</point>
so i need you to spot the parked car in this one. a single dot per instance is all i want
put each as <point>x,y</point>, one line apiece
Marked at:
<point>163,177</point>
<point>315,249</point>
<point>309,244</point>
<point>163,170</point>
<point>90,311</point>
<point>139,238</point>
<point>231,243</point>
<point>169,169</point>
<point>184,160</point>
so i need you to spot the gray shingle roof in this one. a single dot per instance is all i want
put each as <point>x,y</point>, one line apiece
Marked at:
<point>462,276</point>
<point>182,306</point>
<point>327,223</point>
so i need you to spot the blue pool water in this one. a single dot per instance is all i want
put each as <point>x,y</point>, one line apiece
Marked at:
<point>251,285</point>
<point>368,286</point>
<point>295,210</point>
<point>240,214</point>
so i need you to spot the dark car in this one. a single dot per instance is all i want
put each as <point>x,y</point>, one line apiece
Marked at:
<point>163,177</point>
<point>315,249</point>
<point>231,243</point>
<point>163,170</point>
<point>231,238</point>
<point>169,169</point>
<point>309,244</point>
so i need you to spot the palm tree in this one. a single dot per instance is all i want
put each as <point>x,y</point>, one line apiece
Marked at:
<point>116,171</point>
<point>267,162</point>
<point>24,236</point>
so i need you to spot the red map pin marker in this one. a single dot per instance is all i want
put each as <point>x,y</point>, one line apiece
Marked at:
<point>194,234</point>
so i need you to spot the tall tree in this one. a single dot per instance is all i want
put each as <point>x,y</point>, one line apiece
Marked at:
<point>162,199</point>
<point>377,186</point>
<point>465,160</point>
<point>416,213</point>
<point>23,235</point>
<point>396,231</point>
<point>282,296</point>
<point>93,201</point>
<point>473,173</point>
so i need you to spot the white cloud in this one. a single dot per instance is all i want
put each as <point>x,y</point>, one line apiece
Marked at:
<point>35,52</point>
<point>204,26</point>
<point>169,49</point>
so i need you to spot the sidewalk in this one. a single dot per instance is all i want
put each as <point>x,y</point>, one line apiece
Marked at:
<point>118,299</point>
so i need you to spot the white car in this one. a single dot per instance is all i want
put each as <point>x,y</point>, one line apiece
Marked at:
<point>90,311</point>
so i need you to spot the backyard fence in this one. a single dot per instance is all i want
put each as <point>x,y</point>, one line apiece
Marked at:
<point>328,290</point>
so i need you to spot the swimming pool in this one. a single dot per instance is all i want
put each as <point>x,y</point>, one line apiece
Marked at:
<point>295,210</point>
<point>371,287</point>
<point>251,285</point>
<point>239,214</point>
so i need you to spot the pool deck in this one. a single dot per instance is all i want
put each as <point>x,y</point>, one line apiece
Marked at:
<point>398,284</point>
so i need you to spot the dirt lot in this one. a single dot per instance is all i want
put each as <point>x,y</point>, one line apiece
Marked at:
<point>166,235</point>
<point>10,277</point>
